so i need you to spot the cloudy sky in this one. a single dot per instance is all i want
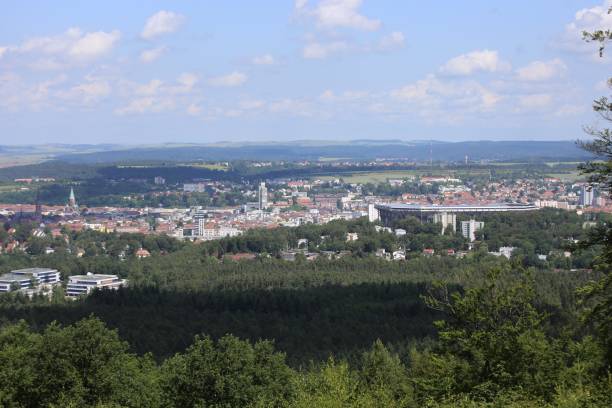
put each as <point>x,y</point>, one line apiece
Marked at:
<point>207,71</point>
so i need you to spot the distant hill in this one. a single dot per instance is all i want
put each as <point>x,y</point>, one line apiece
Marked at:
<point>352,150</point>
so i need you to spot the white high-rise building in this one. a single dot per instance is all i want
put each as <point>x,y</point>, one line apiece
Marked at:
<point>263,196</point>
<point>469,228</point>
<point>587,196</point>
<point>372,213</point>
<point>447,219</point>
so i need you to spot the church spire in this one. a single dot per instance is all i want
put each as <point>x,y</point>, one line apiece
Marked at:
<point>72,199</point>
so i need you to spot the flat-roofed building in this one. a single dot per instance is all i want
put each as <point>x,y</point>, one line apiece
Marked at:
<point>79,285</point>
<point>389,213</point>
<point>42,275</point>
<point>11,281</point>
<point>28,278</point>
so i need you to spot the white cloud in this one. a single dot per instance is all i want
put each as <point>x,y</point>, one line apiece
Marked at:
<point>433,96</point>
<point>394,40</point>
<point>152,54</point>
<point>542,70</point>
<point>338,14</point>
<point>158,96</point>
<point>535,101</point>
<point>94,45</point>
<point>150,88</point>
<point>162,22</point>
<point>587,19</point>
<point>420,89</point>
<point>320,51</point>
<point>71,46</point>
<point>57,44</point>
<point>146,105</point>
<point>346,96</point>
<point>17,94</point>
<point>481,60</point>
<point>229,80</point>
<point>186,83</point>
<point>87,92</point>
<point>187,79</point>
<point>300,4</point>
<point>3,50</point>
<point>266,59</point>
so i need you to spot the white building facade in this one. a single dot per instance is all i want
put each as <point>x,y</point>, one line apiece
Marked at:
<point>469,228</point>
<point>79,285</point>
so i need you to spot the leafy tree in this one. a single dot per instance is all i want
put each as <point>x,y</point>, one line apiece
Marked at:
<point>600,172</point>
<point>493,338</point>
<point>228,373</point>
<point>382,370</point>
<point>81,365</point>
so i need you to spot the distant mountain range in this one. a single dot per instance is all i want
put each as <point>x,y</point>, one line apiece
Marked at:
<point>353,150</point>
<point>418,151</point>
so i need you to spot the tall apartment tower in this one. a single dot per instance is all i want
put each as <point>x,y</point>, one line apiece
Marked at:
<point>587,196</point>
<point>469,228</point>
<point>448,220</point>
<point>263,196</point>
<point>372,213</point>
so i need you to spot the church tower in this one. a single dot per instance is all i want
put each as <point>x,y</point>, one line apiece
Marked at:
<point>72,204</point>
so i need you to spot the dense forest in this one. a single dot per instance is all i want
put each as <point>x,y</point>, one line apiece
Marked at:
<point>494,347</point>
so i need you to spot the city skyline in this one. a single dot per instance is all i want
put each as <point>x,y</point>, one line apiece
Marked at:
<point>331,69</point>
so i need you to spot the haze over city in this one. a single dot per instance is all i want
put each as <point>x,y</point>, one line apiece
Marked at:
<point>207,71</point>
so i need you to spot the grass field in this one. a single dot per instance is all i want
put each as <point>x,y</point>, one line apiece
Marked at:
<point>371,177</point>
<point>8,187</point>
<point>569,176</point>
<point>10,160</point>
<point>210,166</point>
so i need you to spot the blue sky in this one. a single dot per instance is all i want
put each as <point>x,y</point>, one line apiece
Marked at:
<point>209,71</point>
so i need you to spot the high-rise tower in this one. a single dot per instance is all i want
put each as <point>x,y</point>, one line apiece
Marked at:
<point>263,196</point>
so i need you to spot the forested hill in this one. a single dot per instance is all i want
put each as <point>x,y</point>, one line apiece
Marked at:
<point>357,150</point>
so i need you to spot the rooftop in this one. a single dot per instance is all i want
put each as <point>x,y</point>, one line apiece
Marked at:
<point>457,207</point>
<point>33,270</point>
<point>93,277</point>
<point>14,277</point>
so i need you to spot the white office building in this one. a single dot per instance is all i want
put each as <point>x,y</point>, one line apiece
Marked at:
<point>469,228</point>
<point>10,282</point>
<point>79,285</point>
<point>28,278</point>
